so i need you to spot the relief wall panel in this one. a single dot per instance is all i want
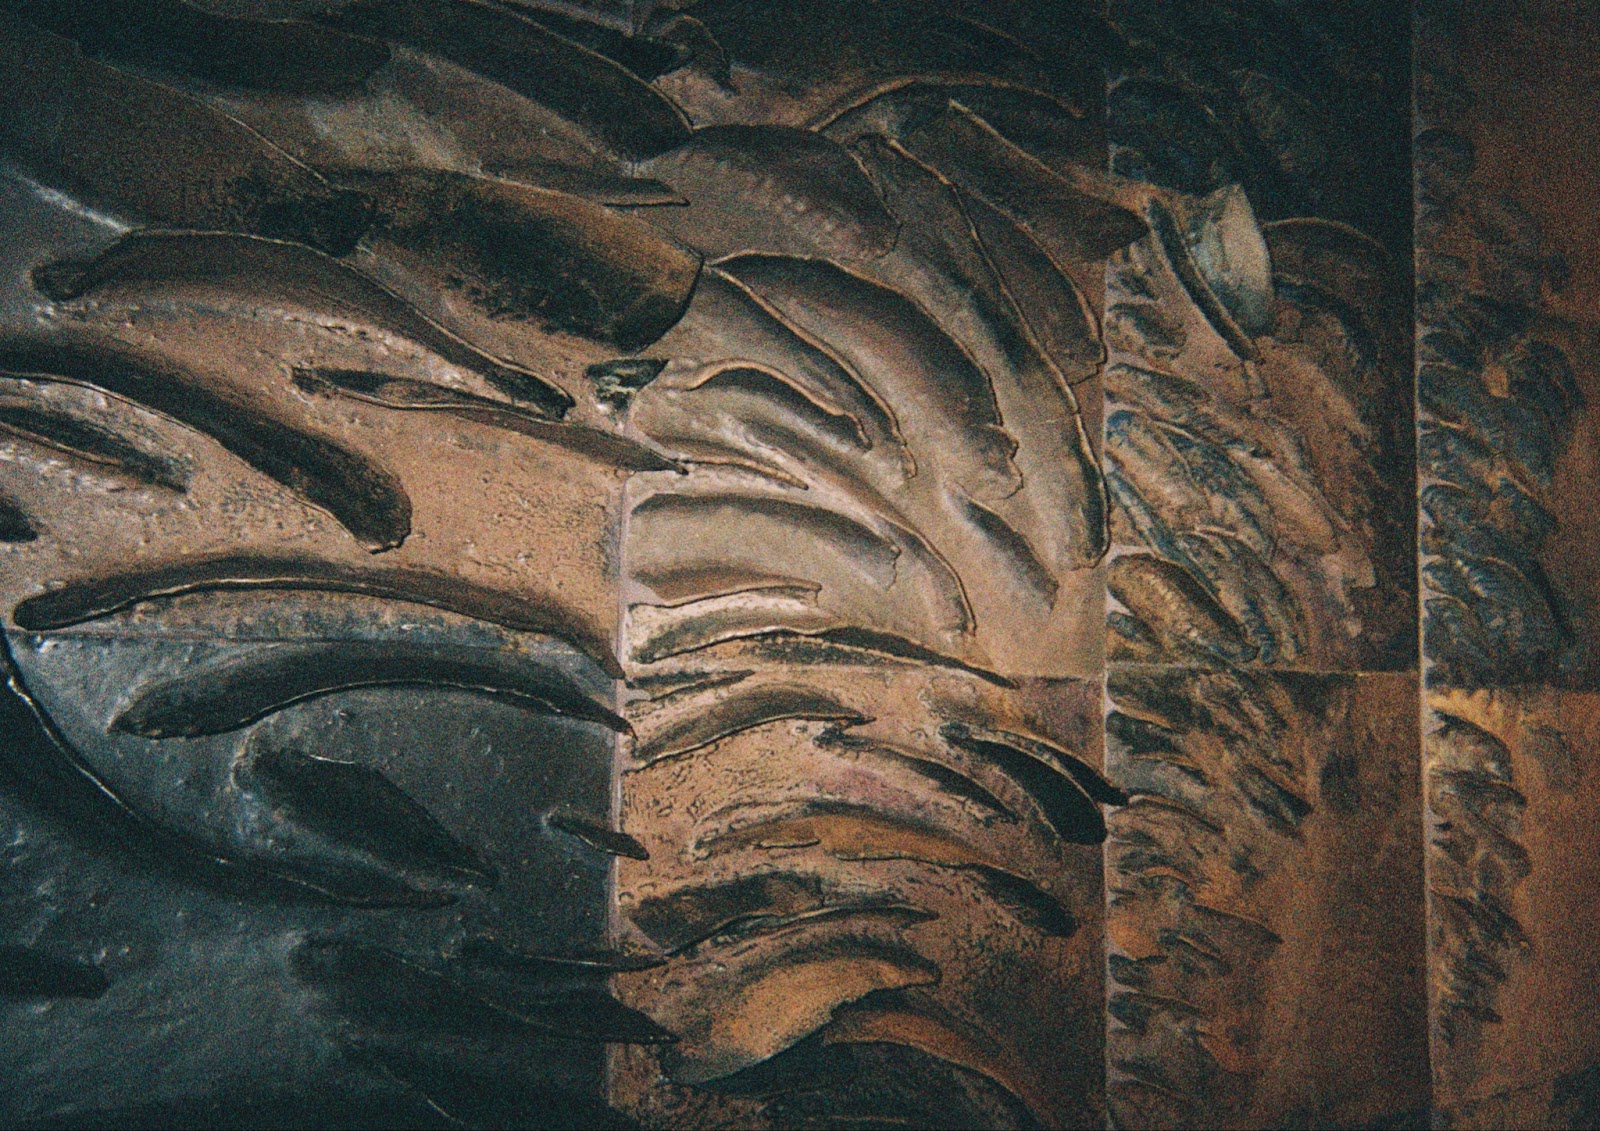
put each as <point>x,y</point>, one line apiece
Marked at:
<point>1506,352</point>
<point>703,563</point>
<point>1262,682</point>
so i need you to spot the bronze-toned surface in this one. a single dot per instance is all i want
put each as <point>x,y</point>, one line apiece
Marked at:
<point>1506,380</point>
<point>1510,902</point>
<point>1271,855</point>
<point>1262,629</point>
<point>846,563</point>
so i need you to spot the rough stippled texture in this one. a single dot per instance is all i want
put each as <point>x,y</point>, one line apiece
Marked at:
<point>842,563</point>
<point>1507,347</point>
<point>1262,614</point>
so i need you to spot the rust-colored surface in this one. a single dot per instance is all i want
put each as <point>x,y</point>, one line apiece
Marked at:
<point>1508,803</point>
<point>1510,878</point>
<point>1264,899</point>
<point>831,564</point>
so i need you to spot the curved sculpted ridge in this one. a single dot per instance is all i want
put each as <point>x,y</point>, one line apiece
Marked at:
<point>707,563</point>
<point>1499,400</point>
<point>791,352</point>
<point>857,628</point>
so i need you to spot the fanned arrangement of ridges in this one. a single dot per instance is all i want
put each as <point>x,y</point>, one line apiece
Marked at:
<point>1259,342</point>
<point>1258,460</point>
<point>706,563</point>
<point>1216,768</point>
<point>1259,802</point>
<point>1498,400</point>
<point>874,384</point>
<point>1249,454</point>
<point>824,302</point>
<point>1506,415</point>
<point>862,630</point>
<point>850,848</point>
<point>285,289</point>
<point>1476,863</point>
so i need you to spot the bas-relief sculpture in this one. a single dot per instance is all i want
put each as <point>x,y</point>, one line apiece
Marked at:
<point>721,564</point>
<point>1506,357</point>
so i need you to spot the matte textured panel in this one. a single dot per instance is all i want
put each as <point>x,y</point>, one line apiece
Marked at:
<point>1265,904</point>
<point>713,563</point>
<point>1506,352</point>
<point>1509,796</point>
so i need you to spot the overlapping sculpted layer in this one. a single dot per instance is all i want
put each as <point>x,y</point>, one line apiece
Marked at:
<point>414,406</point>
<point>601,562</point>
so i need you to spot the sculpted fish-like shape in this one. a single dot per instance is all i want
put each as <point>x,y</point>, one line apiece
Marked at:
<point>231,694</point>
<point>365,498</point>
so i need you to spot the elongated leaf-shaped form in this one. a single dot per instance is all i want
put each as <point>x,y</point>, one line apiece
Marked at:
<point>387,993</point>
<point>911,1018</point>
<point>231,694</point>
<point>679,919</point>
<point>769,388</point>
<point>664,631</point>
<point>280,271</point>
<point>742,712</point>
<point>597,836</point>
<point>1052,129</point>
<point>728,328</point>
<point>423,396</point>
<point>702,919</point>
<point>772,189</point>
<point>532,255</point>
<point>490,953</point>
<point>1026,902</point>
<point>357,806</point>
<point>1477,867</point>
<point>131,146</point>
<point>850,53</point>
<point>366,500</point>
<point>288,56</point>
<point>901,352</point>
<point>968,151</point>
<point>88,598</point>
<point>422,112</point>
<point>84,441</point>
<point>602,97</point>
<point>1167,600</point>
<point>839,552</point>
<point>1012,547</point>
<point>1182,258</point>
<point>1066,804</point>
<point>58,777</point>
<point>726,325</point>
<point>951,781</point>
<point>860,833</point>
<point>939,262</point>
<point>1057,314</point>
<point>772,995</point>
<point>1253,595</point>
